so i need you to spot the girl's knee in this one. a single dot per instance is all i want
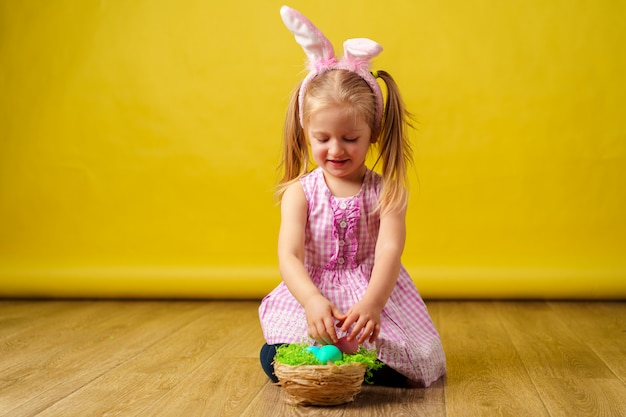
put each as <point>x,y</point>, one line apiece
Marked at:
<point>267,358</point>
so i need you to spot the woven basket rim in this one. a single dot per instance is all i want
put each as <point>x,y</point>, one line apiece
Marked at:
<point>327,366</point>
<point>320,384</point>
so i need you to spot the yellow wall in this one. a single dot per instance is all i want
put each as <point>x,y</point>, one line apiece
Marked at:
<point>139,141</point>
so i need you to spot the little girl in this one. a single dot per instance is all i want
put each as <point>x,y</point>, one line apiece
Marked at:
<point>343,228</point>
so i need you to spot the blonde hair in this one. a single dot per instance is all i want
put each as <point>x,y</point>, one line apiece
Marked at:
<point>394,149</point>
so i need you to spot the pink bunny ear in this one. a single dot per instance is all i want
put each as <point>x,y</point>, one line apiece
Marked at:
<point>317,47</point>
<point>358,53</point>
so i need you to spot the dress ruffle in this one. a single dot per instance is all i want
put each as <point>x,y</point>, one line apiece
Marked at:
<point>346,216</point>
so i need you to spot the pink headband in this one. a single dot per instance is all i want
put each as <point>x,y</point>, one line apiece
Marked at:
<point>321,56</point>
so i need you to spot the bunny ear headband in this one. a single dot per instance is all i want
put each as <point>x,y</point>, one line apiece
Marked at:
<point>321,56</point>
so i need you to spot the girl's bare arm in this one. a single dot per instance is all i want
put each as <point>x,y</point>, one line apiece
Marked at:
<point>320,313</point>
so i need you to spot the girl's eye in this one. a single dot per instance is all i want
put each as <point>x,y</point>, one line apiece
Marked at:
<point>350,139</point>
<point>322,140</point>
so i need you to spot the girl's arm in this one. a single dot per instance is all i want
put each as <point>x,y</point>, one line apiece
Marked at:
<point>320,312</point>
<point>365,315</point>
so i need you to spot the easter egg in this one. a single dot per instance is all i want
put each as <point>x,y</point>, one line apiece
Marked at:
<point>313,350</point>
<point>346,346</point>
<point>329,353</point>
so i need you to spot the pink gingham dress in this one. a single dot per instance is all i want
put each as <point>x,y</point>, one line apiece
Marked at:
<point>340,241</point>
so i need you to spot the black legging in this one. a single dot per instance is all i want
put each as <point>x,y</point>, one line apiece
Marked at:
<point>267,358</point>
<point>384,376</point>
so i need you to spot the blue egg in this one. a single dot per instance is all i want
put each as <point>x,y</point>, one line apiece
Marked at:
<point>328,353</point>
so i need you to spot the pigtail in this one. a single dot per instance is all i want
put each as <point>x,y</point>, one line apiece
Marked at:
<point>295,159</point>
<point>395,152</point>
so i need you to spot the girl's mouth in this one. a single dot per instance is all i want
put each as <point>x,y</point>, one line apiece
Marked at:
<point>337,163</point>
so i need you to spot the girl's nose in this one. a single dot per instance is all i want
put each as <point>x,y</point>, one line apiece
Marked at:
<point>335,147</point>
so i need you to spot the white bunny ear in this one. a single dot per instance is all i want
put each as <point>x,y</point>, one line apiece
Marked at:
<point>358,53</point>
<point>317,47</point>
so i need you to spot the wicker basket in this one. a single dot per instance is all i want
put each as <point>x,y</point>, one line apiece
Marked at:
<point>320,384</point>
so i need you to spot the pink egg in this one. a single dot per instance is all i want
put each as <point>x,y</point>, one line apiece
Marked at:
<point>347,347</point>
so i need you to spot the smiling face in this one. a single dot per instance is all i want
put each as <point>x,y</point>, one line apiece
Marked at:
<point>340,139</point>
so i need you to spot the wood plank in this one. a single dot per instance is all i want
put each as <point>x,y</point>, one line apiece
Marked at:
<point>548,347</point>
<point>39,329</point>
<point>566,372</point>
<point>17,316</point>
<point>136,384</point>
<point>136,358</point>
<point>601,326</point>
<point>373,401</point>
<point>227,381</point>
<point>486,376</point>
<point>566,397</point>
<point>271,401</point>
<point>95,347</point>
<point>218,388</point>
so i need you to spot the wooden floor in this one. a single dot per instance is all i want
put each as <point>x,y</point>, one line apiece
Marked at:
<point>199,358</point>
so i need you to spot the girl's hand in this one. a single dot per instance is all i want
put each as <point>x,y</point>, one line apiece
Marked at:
<point>320,316</point>
<point>366,320</point>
